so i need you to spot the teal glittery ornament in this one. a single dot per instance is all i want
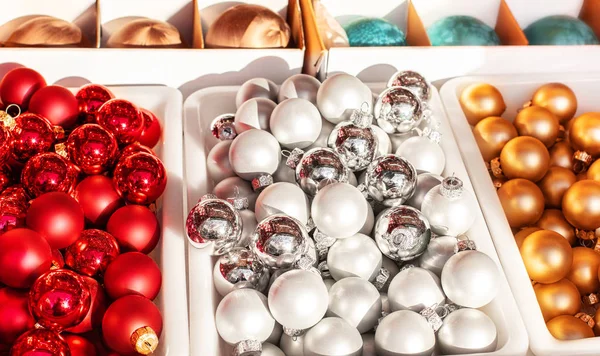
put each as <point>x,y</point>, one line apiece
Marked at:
<point>371,32</point>
<point>560,30</point>
<point>462,31</point>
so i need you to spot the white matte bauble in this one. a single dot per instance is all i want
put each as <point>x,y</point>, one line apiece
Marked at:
<point>369,223</point>
<point>467,331</point>
<point>368,344</point>
<point>298,299</point>
<point>355,256</point>
<point>292,345</point>
<point>256,88</point>
<point>425,181</point>
<point>275,334</point>
<point>332,336</point>
<point>439,250</point>
<point>398,139</point>
<point>392,267</point>
<point>340,94</point>
<point>339,210</point>
<point>470,279</point>
<point>384,144</point>
<point>217,162</point>
<point>404,333</point>
<point>301,86</point>
<point>242,315</point>
<point>357,301</point>
<point>424,154</point>
<point>248,227</point>
<point>233,187</point>
<point>415,289</point>
<point>295,123</point>
<point>254,153</point>
<point>239,269</point>
<point>269,349</point>
<point>254,114</point>
<point>321,141</point>
<point>282,198</point>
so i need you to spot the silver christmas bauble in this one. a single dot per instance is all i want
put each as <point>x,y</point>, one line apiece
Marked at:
<point>467,331</point>
<point>413,81</point>
<point>321,141</point>
<point>390,180</point>
<point>369,223</point>
<point>384,144</point>
<point>249,225</point>
<point>392,267</point>
<point>217,162</point>
<point>357,301</point>
<point>470,279</point>
<point>402,233</point>
<point>356,145</point>
<point>254,153</point>
<point>415,289</point>
<point>214,224</point>
<point>269,349</point>
<point>398,110</point>
<point>439,250</point>
<point>239,269</point>
<point>425,181</point>
<point>355,256</point>
<point>368,344</point>
<point>282,198</point>
<point>296,123</point>
<point>398,139</point>
<point>449,208</point>
<point>319,167</point>
<point>332,336</point>
<point>341,94</point>
<point>301,86</point>
<point>292,345</point>
<point>404,333</point>
<point>256,88</point>
<point>279,241</point>
<point>254,114</point>
<point>233,187</point>
<point>298,299</point>
<point>339,210</point>
<point>424,154</point>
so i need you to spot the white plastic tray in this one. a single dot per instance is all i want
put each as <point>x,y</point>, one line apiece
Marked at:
<point>199,110</point>
<point>516,90</point>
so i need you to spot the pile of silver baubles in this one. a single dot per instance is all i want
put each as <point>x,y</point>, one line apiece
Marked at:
<point>327,242</point>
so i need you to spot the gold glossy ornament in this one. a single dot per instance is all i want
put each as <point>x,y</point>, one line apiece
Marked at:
<point>481,100</point>
<point>581,176</point>
<point>523,233</point>
<point>561,155</point>
<point>554,185</point>
<point>560,298</point>
<point>522,201</point>
<point>553,219</point>
<point>581,205</point>
<point>524,157</point>
<point>593,171</point>
<point>558,98</point>
<point>491,134</point>
<point>538,122</point>
<point>584,137</point>
<point>597,323</point>
<point>584,271</point>
<point>547,256</point>
<point>567,327</point>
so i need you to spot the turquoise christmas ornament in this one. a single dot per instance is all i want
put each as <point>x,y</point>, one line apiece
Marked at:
<point>373,32</point>
<point>462,31</point>
<point>560,30</point>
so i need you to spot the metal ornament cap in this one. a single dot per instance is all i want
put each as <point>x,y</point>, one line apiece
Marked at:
<point>247,348</point>
<point>144,340</point>
<point>452,188</point>
<point>261,182</point>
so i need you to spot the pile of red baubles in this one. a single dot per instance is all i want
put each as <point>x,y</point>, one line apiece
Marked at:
<point>78,180</point>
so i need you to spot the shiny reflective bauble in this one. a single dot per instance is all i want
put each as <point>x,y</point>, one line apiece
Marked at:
<point>279,241</point>
<point>214,223</point>
<point>584,270</point>
<point>332,336</point>
<point>402,233</point>
<point>553,219</point>
<point>232,187</point>
<point>415,289</point>
<point>558,98</point>
<point>384,144</point>
<point>253,153</point>
<point>90,98</point>
<point>121,118</point>
<point>256,88</point>
<point>356,301</point>
<point>301,86</point>
<point>524,157</point>
<point>481,100</point>
<point>282,198</point>
<point>567,327</point>
<point>522,201</point>
<point>398,110</point>
<point>561,155</point>
<point>340,94</point>
<point>140,178</point>
<point>580,205</point>
<point>318,168</point>
<point>425,182</point>
<point>93,251</point>
<point>245,305</point>
<point>356,146</point>
<point>560,298</point>
<point>217,162</point>
<point>355,256</point>
<point>547,256</point>
<point>523,233</point>
<point>295,123</point>
<point>391,180</point>
<point>92,148</point>
<point>491,134</point>
<point>48,172</point>
<point>418,338</point>
<point>467,331</point>
<point>593,171</point>
<point>584,133</point>
<point>538,122</point>
<point>554,185</point>
<point>6,144</point>
<point>449,208</point>
<point>374,32</point>
<point>32,134</point>
<point>339,210</point>
<point>424,154</point>
<point>560,30</point>
<point>40,342</point>
<point>439,250</point>
<point>254,114</point>
<point>413,81</point>
<point>239,269</point>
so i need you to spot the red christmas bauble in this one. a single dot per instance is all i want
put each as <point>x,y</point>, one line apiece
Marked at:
<point>40,342</point>
<point>151,132</point>
<point>57,217</point>
<point>24,256</point>
<point>90,98</point>
<point>58,260</point>
<point>18,86</point>
<point>93,251</point>
<point>140,178</point>
<point>132,273</point>
<point>122,118</point>
<point>126,317</point>
<point>48,172</point>
<point>98,199</point>
<point>5,178</point>
<point>93,319</point>
<point>135,227</point>
<point>14,314</point>
<point>31,134</point>
<point>135,148</point>
<point>6,144</point>
<point>57,104</point>
<point>92,148</point>
<point>13,208</point>
<point>59,299</point>
<point>80,346</point>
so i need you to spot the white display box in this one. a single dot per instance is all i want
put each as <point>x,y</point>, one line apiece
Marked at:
<point>199,111</point>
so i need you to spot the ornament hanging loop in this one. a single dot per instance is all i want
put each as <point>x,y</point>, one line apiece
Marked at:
<point>362,117</point>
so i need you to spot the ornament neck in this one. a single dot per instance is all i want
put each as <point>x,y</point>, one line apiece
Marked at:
<point>223,127</point>
<point>237,201</point>
<point>324,269</point>
<point>452,188</point>
<point>247,348</point>
<point>261,182</point>
<point>144,340</point>
<point>293,157</point>
<point>306,263</point>
<point>464,244</point>
<point>294,333</point>
<point>362,117</point>
<point>382,278</point>
<point>582,161</point>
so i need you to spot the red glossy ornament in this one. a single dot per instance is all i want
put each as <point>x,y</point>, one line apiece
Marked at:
<point>57,217</point>
<point>140,178</point>
<point>58,260</point>
<point>40,342</point>
<point>24,256</point>
<point>90,98</point>
<point>18,86</point>
<point>93,251</point>
<point>31,134</point>
<point>48,172</point>
<point>135,148</point>
<point>5,178</point>
<point>59,299</point>
<point>122,118</point>
<point>57,104</point>
<point>13,208</point>
<point>80,346</point>
<point>92,148</point>
<point>130,316</point>
<point>135,227</point>
<point>151,132</point>
<point>93,319</point>
<point>14,314</point>
<point>98,199</point>
<point>132,273</point>
<point>6,144</point>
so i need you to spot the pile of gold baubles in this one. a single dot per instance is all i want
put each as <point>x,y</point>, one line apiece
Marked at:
<point>544,166</point>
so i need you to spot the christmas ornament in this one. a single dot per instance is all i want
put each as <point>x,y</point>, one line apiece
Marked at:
<point>15,315</point>
<point>18,86</point>
<point>5,178</point>
<point>223,127</point>
<point>491,134</point>
<point>560,298</point>
<point>522,201</point>
<point>292,345</point>
<point>282,198</point>
<point>417,338</point>
<point>567,327</point>
<point>132,324</point>
<point>132,273</point>
<point>135,227</point>
<point>321,141</point>
<point>467,331</point>
<point>6,144</point>
<point>135,147</point>
<point>584,270</point>
<point>596,319</point>
<point>584,136</point>
<point>90,98</point>
<point>470,279</point>
<point>151,132</point>
<point>384,144</point>
<point>424,153</point>
<point>301,86</point>
<point>523,233</point>
<point>13,208</point>
<point>80,346</point>
<point>279,241</point>
<point>356,145</point>
<point>248,226</point>
<point>40,342</point>
<point>99,303</point>
<point>392,268</point>
<point>269,349</point>
<point>413,81</point>
<point>58,260</point>
<point>254,155</point>
<point>402,233</point>
<point>239,269</point>
<point>449,208</point>
<point>31,134</point>
<point>561,154</point>
<point>538,122</point>
<point>213,223</point>
<point>98,199</point>
<point>356,301</point>
<point>593,171</point>
<point>92,252</point>
<point>415,289</point>
<point>318,168</point>
<point>275,334</point>
<point>481,100</point>
<point>295,123</point>
<point>553,219</point>
<point>254,113</point>
<point>57,217</point>
<point>368,344</point>
<point>339,210</point>
<point>374,32</point>
<point>59,299</point>
<point>369,223</point>
<point>218,166</point>
<point>560,30</point>
<point>523,157</point>
<point>256,88</point>
<point>92,148</point>
<point>332,336</point>
<point>558,98</point>
<point>236,187</point>
<point>390,180</point>
<point>27,254</point>
<point>140,178</point>
<point>121,118</point>
<point>547,256</point>
<point>355,256</point>
<point>398,110</point>
<point>425,182</point>
<point>341,94</point>
<point>580,207</point>
<point>57,104</point>
<point>48,172</point>
<point>461,31</point>
<point>554,185</point>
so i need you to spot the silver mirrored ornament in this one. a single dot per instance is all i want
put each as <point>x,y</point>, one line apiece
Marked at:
<point>439,250</point>
<point>317,168</point>
<point>402,233</point>
<point>415,289</point>
<point>256,88</point>
<point>384,143</point>
<point>332,336</point>
<point>354,256</point>
<point>279,241</point>
<point>254,114</point>
<point>390,180</point>
<point>413,81</point>
<point>404,333</point>
<point>467,331</point>
<point>398,110</point>
<point>214,223</point>
<point>223,127</point>
<point>356,301</point>
<point>425,182</point>
<point>356,145</point>
<point>238,269</point>
<point>302,86</point>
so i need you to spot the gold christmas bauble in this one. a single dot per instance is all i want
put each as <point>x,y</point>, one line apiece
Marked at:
<point>554,185</point>
<point>523,233</point>
<point>581,205</point>
<point>522,201</point>
<point>491,134</point>
<point>567,327</point>
<point>593,171</point>
<point>524,157</point>
<point>561,155</point>
<point>553,219</point>
<point>558,98</point>
<point>538,122</point>
<point>584,271</point>
<point>584,134</point>
<point>560,298</point>
<point>481,100</point>
<point>547,256</point>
